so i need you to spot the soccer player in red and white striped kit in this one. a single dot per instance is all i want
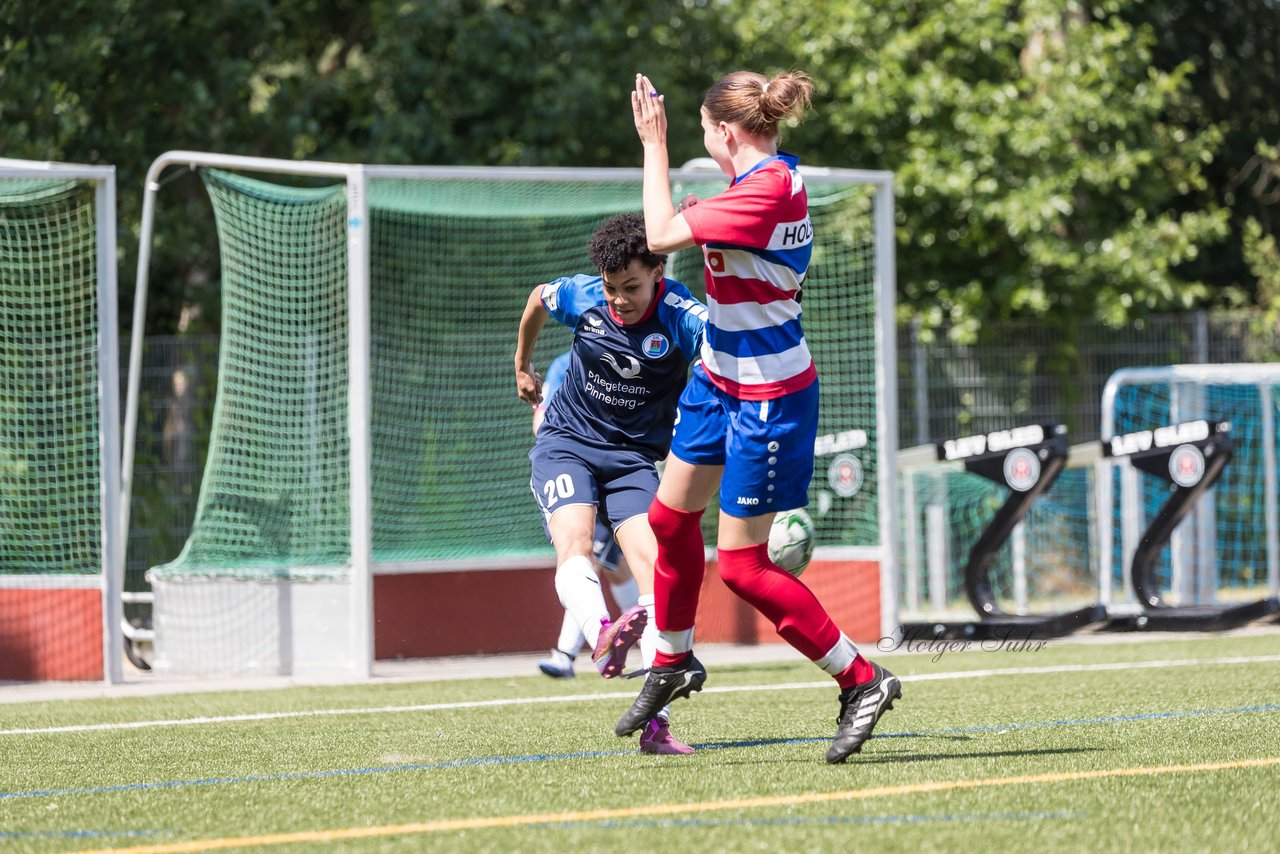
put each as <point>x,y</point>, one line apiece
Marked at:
<point>748,417</point>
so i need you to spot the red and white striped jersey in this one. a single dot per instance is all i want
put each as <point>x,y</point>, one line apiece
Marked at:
<point>756,240</point>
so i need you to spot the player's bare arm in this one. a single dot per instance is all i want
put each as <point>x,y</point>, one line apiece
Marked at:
<point>528,382</point>
<point>665,228</point>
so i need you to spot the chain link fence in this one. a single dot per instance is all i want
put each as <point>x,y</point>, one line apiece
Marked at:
<point>1026,373</point>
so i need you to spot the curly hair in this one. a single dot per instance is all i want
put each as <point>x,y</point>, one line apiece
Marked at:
<point>759,103</point>
<point>620,240</point>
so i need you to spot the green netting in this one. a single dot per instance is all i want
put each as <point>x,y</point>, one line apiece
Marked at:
<point>50,480</point>
<point>1224,539</point>
<point>493,199</point>
<point>840,325</point>
<point>274,497</point>
<point>1219,552</point>
<point>452,263</point>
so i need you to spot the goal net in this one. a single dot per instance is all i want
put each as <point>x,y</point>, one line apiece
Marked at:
<point>437,452</point>
<point>1228,547</point>
<point>59,441</point>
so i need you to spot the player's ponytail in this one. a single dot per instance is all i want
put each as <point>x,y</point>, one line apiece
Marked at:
<point>757,103</point>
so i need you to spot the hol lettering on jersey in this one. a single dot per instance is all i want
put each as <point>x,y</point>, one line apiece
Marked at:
<point>795,233</point>
<point>791,235</point>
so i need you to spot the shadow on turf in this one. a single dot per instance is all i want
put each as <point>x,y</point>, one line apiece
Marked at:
<point>885,758</point>
<point>767,742</point>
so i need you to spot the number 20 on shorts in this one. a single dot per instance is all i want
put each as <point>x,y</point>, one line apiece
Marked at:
<point>558,488</point>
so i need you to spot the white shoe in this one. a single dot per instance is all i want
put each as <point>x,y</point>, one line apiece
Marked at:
<point>558,666</point>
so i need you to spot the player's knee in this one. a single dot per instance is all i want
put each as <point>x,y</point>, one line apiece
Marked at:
<point>741,570</point>
<point>668,523</point>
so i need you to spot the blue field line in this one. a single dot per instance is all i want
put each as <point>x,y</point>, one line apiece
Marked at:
<point>311,775</point>
<point>612,824</point>
<point>1112,719</point>
<point>82,834</point>
<point>470,762</point>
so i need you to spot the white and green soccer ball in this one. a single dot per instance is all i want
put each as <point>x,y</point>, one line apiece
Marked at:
<point>791,540</point>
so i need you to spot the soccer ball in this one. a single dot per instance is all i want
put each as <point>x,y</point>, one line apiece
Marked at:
<point>791,540</point>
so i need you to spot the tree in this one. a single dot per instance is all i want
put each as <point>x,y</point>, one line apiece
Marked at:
<point>490,82</point>
<point>1038,172</point>
<point>1233,47</point>
<point>1054,158</point>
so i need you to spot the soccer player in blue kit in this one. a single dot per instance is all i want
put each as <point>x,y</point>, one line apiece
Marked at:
<point>635,334</point>
<point>604,550</point>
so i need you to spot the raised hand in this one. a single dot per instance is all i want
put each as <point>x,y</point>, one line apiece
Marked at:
<point>648,108</point>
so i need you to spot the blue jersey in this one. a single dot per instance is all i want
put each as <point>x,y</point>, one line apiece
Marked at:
<point>554,378</point>
<point>623,381</point>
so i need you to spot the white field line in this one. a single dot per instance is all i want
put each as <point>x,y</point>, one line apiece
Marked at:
<point>579,698</point>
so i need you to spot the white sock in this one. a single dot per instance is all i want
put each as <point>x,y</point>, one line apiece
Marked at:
<point>839,657</point>
<point>674,643</point>
<point>649,642</point>
<point>626,594</point>
<point>570,635</point>
<point>580,594</point>
<point>649,637</point>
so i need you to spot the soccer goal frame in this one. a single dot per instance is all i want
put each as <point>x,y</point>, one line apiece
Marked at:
<point>1187,383</point>
<point>356,177</point>
<point>109,580</point>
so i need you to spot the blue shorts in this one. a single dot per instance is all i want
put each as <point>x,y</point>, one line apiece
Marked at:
<point>765,446</point>
<point>620,483</point>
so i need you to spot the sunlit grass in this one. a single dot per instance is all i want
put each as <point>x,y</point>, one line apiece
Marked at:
<point>969,759</point>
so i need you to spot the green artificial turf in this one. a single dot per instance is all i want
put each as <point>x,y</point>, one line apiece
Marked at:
<point>969,760</point>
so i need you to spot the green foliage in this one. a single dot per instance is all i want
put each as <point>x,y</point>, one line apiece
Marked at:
<point>493,82</point>
<point>1233,50</point>
<point>1038,173</point>
<point>496,83</point>
<point>1262,252</point>
<point>1054,158</point>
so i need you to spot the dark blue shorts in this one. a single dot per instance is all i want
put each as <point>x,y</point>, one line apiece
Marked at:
<point>620,483</point>
<point>765,446</point>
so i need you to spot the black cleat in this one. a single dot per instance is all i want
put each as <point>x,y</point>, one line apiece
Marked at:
<point>860,709</point>
<point>661,686</point>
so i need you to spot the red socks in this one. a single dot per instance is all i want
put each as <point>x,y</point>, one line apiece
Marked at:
<point>783,599</point>
<point>857,673</point>
<point>677,576</point>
